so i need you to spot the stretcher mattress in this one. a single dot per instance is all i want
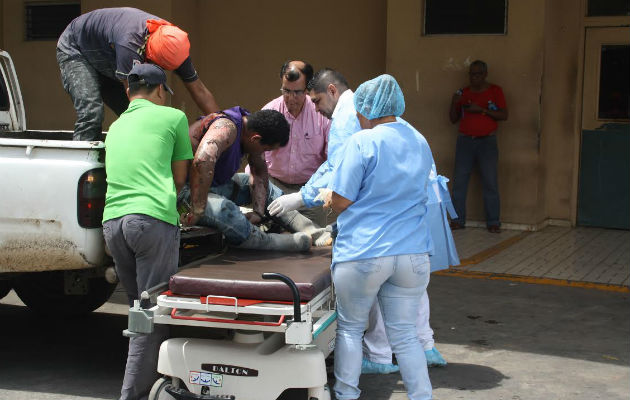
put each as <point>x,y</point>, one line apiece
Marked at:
<point>238,273</point>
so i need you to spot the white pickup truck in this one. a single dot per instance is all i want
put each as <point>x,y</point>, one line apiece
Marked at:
<point>52,250</point>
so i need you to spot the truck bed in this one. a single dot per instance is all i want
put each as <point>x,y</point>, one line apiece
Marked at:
<point>38,135</point>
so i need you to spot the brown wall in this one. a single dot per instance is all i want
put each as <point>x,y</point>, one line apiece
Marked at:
<point>559,105</point>
<point>243,55</point>
<point>237,48</point>
<point>431,68</point>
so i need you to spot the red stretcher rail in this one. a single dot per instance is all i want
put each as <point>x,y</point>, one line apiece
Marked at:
<point>226,321</point>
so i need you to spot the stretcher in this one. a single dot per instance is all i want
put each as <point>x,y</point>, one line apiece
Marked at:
<point>270,321</point>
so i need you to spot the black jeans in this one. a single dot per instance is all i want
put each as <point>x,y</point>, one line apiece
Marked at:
<point>89,89</point>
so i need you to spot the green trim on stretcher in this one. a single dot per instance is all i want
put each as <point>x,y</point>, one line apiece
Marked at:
<point>325,325</point>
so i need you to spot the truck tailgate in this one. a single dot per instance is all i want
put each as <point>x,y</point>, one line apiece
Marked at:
<point>39,227</point>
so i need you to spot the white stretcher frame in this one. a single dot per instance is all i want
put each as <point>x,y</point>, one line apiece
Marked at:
<point>312,337</point>
<point>316,314</point>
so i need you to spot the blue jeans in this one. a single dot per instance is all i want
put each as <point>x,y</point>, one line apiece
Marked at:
<point>398,282</point>
<point>222,209</point>
<point>484,152</point>
<point>89,88</point>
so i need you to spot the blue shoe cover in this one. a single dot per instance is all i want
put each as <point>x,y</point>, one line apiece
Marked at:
<point>434,358</point>
<point>369,367</point>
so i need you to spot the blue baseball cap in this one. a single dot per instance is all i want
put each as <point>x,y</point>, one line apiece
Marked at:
<point>148,74</point>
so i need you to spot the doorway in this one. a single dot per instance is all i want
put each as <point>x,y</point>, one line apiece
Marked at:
<point>604,174</point>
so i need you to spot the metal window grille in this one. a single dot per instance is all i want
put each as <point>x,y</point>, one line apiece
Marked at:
<point>46,21</point>
<point>465,17</point>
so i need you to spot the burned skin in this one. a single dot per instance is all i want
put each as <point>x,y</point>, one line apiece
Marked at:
<point>208,148</point>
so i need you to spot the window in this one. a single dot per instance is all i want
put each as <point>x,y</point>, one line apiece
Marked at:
<point>46,21</point>
<point>608,8</point>
<point>465,17</point>
<point>614,82</point>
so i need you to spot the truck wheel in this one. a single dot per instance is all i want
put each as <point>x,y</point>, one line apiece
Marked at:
<point>5,288</point>
<point>43,292</point>
<point>158,391</point>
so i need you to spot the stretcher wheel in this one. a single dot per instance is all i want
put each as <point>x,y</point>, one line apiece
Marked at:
<point>322,393</point>
<point>158,391</point>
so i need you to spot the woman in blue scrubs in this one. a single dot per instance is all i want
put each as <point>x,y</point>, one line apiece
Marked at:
<point>379,189</point>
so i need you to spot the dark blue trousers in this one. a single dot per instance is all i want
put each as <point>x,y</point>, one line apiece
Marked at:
<point>482,151</point>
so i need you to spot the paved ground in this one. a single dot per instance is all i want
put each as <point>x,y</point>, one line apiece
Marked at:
<point>504,340</point>
<point>600,257</point>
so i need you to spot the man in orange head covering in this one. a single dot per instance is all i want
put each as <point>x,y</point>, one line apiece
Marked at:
<point>97,50</point>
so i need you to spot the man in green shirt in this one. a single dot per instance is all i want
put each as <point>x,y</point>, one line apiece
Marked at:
<point>147,153</point>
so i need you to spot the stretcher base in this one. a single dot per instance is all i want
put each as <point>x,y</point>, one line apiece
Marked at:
<point>256,371</point>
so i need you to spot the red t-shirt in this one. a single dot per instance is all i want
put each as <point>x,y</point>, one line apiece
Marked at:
<point>477,124</point>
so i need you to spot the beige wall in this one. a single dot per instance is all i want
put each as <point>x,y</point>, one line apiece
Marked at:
<point>237,48</point>
<point>431,68</point>
<point>560,105</point>
<point>242,55</point>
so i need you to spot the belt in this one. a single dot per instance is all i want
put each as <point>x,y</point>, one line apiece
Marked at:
<point>477,137</point>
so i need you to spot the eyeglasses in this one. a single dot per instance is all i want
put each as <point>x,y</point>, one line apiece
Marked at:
<point>289,92</point>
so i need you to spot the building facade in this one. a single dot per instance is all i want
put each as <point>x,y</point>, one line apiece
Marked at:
<point>559,62</point>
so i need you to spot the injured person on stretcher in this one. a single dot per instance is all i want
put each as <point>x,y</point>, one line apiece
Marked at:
<point>273,311</point>
<point>215,191</point>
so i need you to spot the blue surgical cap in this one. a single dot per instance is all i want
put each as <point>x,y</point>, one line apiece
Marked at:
<point>379,97</point>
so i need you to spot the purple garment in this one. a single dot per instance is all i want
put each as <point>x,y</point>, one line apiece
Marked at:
<point>230,160</point>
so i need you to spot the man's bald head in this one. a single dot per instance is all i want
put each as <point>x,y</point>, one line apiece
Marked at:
<point>291,70</point>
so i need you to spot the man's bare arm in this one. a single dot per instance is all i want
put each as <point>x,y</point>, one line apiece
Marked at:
<point>259,182</point>
<point>220,135</point>
<point>454,112</point>
<point>202,96</point>
<point>180,170</point>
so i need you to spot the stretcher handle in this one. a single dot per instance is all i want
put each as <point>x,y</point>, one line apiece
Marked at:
<point>297,311</point>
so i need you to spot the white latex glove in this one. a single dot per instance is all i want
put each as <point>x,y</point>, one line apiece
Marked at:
<point>285,203</point>
<point>325,196</point>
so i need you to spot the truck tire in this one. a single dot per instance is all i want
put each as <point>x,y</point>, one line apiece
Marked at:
<point>5,288</point>
<point>43,292</point>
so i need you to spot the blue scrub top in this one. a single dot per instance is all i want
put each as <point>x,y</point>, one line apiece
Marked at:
<point>385,172</point>
<point>343,125</point>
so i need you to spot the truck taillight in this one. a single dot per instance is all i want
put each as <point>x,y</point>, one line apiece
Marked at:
<point>91,198</point>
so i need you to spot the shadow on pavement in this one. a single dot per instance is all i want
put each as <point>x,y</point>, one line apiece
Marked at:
<point>466,377</point>
<point>486,315</point>
<point>454,376</point>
